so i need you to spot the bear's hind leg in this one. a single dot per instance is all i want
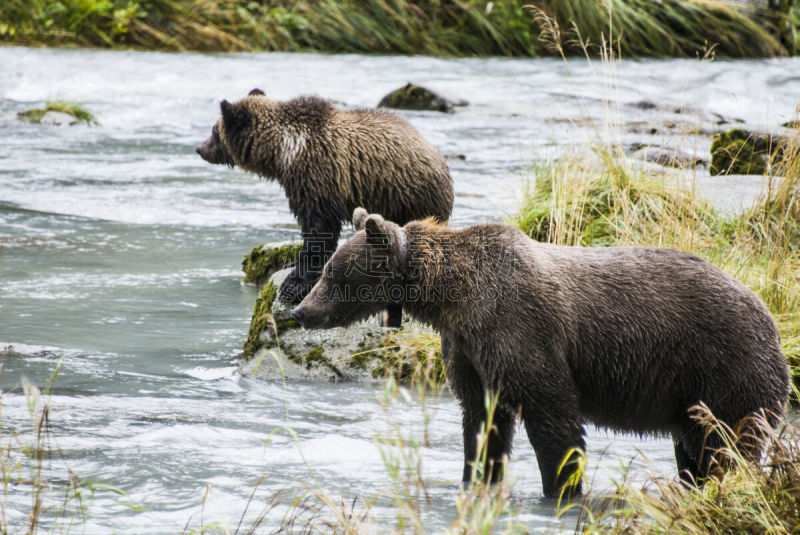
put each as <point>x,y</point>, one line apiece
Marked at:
<point>700,453</point>
<point>554,434</point>
<point>687,466</point>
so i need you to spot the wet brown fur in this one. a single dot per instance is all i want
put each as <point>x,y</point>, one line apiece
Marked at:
<point>627,338</point>
<point>331,161</point>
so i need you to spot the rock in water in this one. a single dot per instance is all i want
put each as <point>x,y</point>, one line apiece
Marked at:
<point>667,157</point>
<point>48,117</point>
<point>739,152</point>
<point>414,97</point>
<point>278,348</point>
<point>265,260</point>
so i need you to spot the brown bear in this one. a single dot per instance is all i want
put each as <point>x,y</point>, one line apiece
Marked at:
<point>329,162</point>
<point>627,338</point>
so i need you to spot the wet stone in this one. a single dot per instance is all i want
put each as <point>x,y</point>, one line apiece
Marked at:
<point>277,347</point>
<point>414,97</point>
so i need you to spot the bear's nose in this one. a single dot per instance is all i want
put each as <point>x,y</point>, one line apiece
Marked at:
<point>299,314</point>
<point>197,150</point>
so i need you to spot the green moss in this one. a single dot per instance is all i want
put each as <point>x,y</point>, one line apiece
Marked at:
<point>32,116</point>
<point>409,358</point>
<point>360,360</point>
<point>414,97</point>
<point>316,358</point>
<point>261,320</point>
<point>262,261</point>
<point>737,152</point>
<point>81,114</point>
<point>290,323</point>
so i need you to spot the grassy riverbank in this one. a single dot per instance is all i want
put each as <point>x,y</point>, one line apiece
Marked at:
<point>682,28</point>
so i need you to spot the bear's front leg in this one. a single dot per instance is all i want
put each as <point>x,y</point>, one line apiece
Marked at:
<point>497,447</point>
<point>392,316</point>
<point>318,246</point>
<point>296,286</point>
<point>466,384</point>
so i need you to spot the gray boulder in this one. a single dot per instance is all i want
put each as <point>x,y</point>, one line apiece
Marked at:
<point>414,97</point>
<point>667,157</point>
<point>278,348</point>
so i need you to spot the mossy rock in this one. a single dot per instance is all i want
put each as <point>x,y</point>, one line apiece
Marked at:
<point>414,97</point>
<point>278,348</point>
<point>738,152</point>
<point>263,261</point>
<point>316,357</point>
<point>261,320</point>
<point>409,356</point>
<point>60,112</point>
<point>264,323</point>
<point>667,157</point>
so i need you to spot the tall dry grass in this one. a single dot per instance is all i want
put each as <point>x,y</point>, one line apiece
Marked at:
<point>760,496</point>
<point>683,28</point>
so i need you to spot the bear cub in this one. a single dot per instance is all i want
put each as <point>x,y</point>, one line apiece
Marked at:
<point>627,338</point>
<point>329,162</point>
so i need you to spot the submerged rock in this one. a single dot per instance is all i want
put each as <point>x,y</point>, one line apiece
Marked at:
<point>414,97</point>
<point>58,113</point>
<point>52,118</point>
<point>667,157</point>
<point>278,348</point>
<point>264,260</point>
<point>740,152</point>
<point>644,105</point>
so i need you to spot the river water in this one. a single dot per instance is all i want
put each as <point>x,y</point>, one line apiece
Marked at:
<point>120,266</point>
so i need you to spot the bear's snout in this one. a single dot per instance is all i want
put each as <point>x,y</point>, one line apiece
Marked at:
<point>299,314</point>
<point>199,150</point>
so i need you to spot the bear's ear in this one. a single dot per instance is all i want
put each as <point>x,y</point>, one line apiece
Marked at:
<point>256,93</point>
<point>377,230</point>
<point>226,108</point>
<point>234,116</point>
<point>359,218</point>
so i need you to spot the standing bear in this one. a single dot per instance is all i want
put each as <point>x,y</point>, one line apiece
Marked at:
<point>627,338</point>
<point>329,162</point>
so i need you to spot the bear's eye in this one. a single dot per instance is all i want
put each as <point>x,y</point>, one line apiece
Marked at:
<point>215,132</point>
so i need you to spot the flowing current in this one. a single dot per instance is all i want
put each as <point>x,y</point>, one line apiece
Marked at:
<point>119,265</point>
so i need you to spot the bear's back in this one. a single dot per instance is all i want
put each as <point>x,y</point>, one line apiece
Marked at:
<point>653,331</point>
<point>388,167</point>
<point>643,332</point>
